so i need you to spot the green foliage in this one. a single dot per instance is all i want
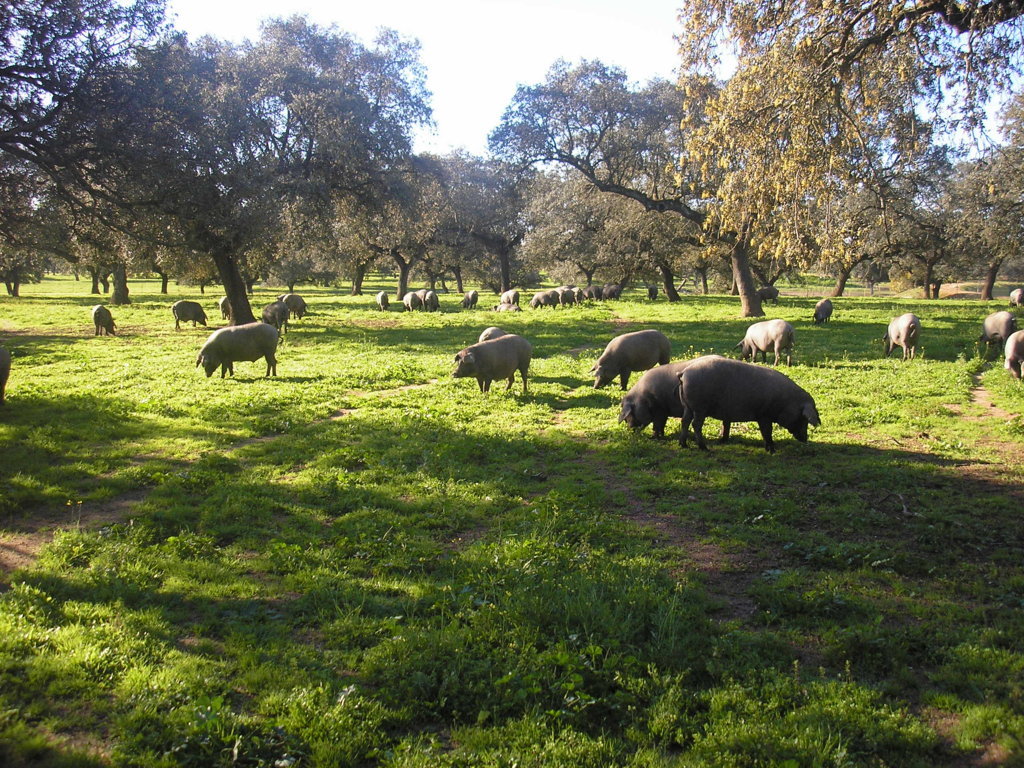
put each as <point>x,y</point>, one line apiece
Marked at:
<point>367,562</point>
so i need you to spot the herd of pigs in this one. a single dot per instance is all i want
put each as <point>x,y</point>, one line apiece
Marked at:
<point>710,386</point>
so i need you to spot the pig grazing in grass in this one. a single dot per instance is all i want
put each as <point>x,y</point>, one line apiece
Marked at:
<point>185,311</point>
<point>412,301</point>
<point>769,293</point>
<point>276,314</point>
<point>382,300</point>
<point>776,335</point>
<point>511,296</point>
<point>997,328</point>
<point>903,332</point>
<point>225,307</point>
<point>545,299</point>
<point>823,311</point>
<point>654,399</point>
<point>497,358</point>
<point>5,372</point>
<point>593,292</point>
<point>103,320</point>
<point>491,333</point>
<point>237,343</point>
<point>295,303</point>
<point>731,390</point>
<point>1017,297</point>
<point>1014,353</point>
<point>636,351</point>
<point>470,299</point>
<point>503,307</point>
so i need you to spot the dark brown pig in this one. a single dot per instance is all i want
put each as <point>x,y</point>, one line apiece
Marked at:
<point>654,399</point>
<point>731,390</point>
<point>103,320</point>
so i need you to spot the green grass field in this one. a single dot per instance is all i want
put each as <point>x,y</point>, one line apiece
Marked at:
<point>366,562</point>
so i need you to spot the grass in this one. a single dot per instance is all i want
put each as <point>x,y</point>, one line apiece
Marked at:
<point>367,562</point>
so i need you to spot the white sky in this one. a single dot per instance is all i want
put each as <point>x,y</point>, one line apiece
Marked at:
<point>475,51</point>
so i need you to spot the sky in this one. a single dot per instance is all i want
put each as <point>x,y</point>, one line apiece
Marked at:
<point>476,52</point>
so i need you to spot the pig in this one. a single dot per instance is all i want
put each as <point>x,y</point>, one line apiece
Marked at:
<point>276,314</point>
<point>1014,354</point>
<point>382,301</point>
<point>188,310</point>
<point>577,295</point>
<point>5,372</point>
<point>225,307</point>
<point>732,390</point>
<point>103,321</point>
<point>470,299</point>
<point>295,303</point>
<point>412,301</point>
<point>776,335</point>
<point>903,332</point>
<point>431,303</point>
<point>611,291</point>
<point>593,292</point>
<point>997,328</point>
<point>511,296</point>
<point>491,333</point>
<point>507,308</point>
<point>636,351</point>
<point>497,358</point>
<point>823,311</point>
<point>652,292</point>
<point>566,297</point>
<point>230,345</point>
<point>769,293</point>
<point>544,299</point>
<point>654,399</point>
<point>1017,297</point>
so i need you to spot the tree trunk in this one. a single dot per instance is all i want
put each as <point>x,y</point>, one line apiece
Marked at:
<point>120,295</point>
<point>457,272</point>
<point>357,279</point>
<point>589,274</point>
<point>669,281</point>
<point>744,280</point>
<point>105,281</point>
<point>291,287</point>
<point>928,280</point>
<point>95,275</point>
<point>936,286</point>
<point>163,279</point>
<point>702,274</point>
<point>505,264</point>
<point>990,280</point>
<point>844,275</point>
<point>234,288</point>
<point>404,268</point>
<point>12,287</point>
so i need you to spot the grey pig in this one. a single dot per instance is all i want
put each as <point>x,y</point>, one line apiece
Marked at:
<point>654,399</point>
<point>997,328</point>
<point>276,314</point>
<point>225,307</point>
<point>823,311</point>
<point>491,333</point>
<point>503,307</point>
<point>186,311</point>
<point>470,299</point>
<point>769,293</point>
<point>611,291</point>
<point>103,320</point>
<point>776,335</point>
<point>1014,353</point>
<point>545,299</point>
<point>636,351</point>
<point>498,358</point>
<point>511,296</point>
<point>593,292</point>
<point>731,390</point>
<point>5,371</point>
<point>412,300</point>
<point>230,345</point>
<point>652,292</point>
<point>903,332</point>
<point>430,302</point>
<point>1017,297</point>
<point>295,303</point>
<point>382,300</point>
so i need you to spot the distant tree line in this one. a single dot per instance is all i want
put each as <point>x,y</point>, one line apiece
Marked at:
<point>128,149</point>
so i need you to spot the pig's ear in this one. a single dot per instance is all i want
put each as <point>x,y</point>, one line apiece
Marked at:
<point>811,414</point>
<point>458,356</point>
<point>627,409</point>
<point>468,357</point>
